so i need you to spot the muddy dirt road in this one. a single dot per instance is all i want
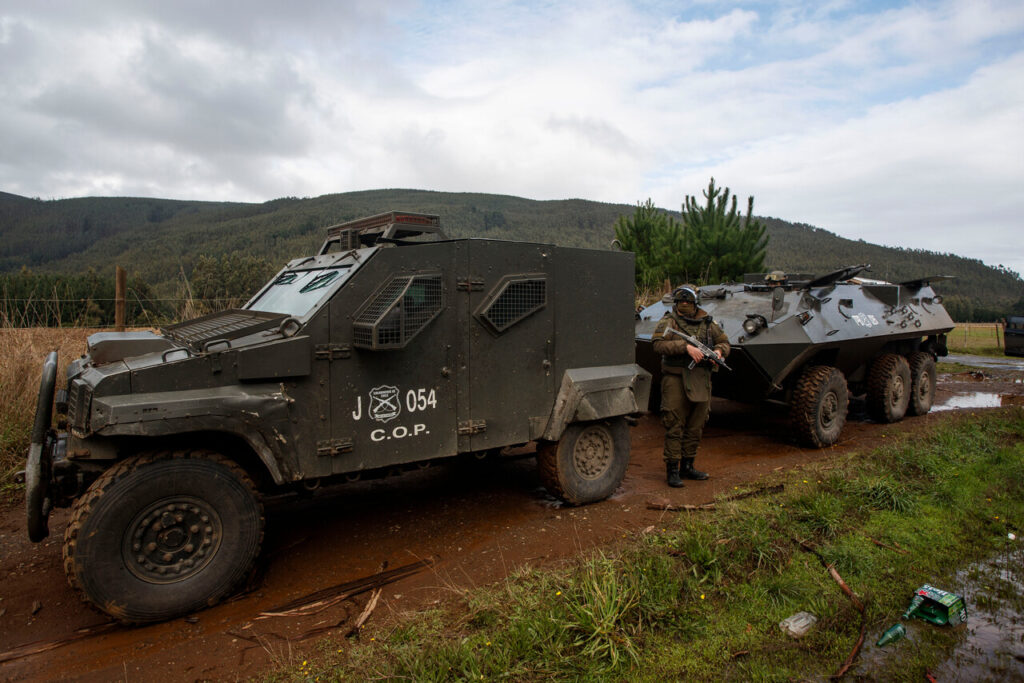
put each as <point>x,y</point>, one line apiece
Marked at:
<point>476,522</point>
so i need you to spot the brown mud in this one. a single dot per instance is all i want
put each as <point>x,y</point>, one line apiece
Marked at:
<point>475,521</point>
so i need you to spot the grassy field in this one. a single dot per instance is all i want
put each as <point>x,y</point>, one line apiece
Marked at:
<point>701,598</point>
<point>21,365</point>
<point>980,339</point>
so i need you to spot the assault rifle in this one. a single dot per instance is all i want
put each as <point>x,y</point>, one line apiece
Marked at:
<point>709,353</point>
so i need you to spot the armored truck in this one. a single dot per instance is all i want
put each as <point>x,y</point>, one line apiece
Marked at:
<point>1013,336</point>
<point>391,347</point>
<point>810,342</point>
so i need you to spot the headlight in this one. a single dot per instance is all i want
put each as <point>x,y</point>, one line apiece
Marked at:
<point>753,324</point>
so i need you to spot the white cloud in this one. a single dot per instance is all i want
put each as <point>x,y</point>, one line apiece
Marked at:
<point>900,125</point>
<point>940,172</point>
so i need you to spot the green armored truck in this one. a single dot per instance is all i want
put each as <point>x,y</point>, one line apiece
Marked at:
<point>391,347</point>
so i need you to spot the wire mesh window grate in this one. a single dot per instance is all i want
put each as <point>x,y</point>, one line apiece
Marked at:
<point>514,301</point>
<point>399,311</point>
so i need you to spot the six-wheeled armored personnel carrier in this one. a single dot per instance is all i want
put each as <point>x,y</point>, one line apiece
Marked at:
<point>390,347</point>
<point>812,342</point>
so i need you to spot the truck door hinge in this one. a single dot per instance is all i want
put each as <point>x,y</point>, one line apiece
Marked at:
<point>332,351</point>
<point>333,447</point>
<point>472,427</point>
<point>470,285</point>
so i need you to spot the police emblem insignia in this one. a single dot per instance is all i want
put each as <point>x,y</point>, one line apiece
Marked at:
<point>384,403</point>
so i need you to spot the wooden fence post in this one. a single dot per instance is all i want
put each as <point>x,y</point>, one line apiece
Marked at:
<point>120,285</point>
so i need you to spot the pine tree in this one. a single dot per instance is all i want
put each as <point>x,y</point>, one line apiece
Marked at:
<point>719,245</point>
<point>654,237</point>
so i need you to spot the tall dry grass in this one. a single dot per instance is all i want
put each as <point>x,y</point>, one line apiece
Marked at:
<point>22,351</point>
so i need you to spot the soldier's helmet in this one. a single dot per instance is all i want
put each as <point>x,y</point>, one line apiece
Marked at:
<point>686,293</point>
<point>775,277</point>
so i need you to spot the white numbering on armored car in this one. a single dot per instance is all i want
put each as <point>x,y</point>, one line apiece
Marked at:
<point>865,320</point>
<point>386,403</point>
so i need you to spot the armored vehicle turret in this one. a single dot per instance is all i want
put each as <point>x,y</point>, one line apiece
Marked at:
<point>812,342</point>
<point>391,347</point>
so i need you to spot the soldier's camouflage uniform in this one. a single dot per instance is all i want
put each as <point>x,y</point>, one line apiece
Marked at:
<point>685,393</point>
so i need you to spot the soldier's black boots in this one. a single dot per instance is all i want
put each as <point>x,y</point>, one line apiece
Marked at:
<point>672,475</point>
<point>689,473</point>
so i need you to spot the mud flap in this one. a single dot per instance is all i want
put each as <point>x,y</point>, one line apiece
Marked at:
<point>588,394</point>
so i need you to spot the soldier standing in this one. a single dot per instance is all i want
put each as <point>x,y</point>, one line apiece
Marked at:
<point>685,391</point>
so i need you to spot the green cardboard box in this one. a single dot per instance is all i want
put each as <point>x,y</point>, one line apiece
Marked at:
<point>937,606</point>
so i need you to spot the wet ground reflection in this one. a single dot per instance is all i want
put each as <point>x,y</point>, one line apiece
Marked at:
<point>991,647</point>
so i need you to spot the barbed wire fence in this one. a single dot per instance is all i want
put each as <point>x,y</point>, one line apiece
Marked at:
<point>146,311</point>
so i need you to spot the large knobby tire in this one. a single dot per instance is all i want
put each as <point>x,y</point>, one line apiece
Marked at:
<point>819,404</point>
<point>888,388</point>
<point>160,535</point>
<point>922,383</point>
<point>588,463</point>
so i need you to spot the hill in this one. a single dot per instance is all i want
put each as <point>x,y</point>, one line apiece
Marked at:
<point>159,240</point>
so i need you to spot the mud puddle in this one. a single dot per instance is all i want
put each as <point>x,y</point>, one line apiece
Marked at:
<point>995,383</point>
<point>994,362</point>
<point>991,646</point>
<point>979,399</point>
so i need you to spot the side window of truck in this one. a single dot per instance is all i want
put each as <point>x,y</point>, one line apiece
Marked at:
<point>513,299</point>
<point>399,310</point>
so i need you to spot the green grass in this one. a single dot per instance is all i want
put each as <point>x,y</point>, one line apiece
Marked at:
<point>701,600</point>
<point>979,339</point>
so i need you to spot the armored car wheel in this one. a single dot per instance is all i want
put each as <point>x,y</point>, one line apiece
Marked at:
<point>587,464</point>
<point>161,535</point>
<point>819,404</point>
<point>888,388</point>
<point>922,383</point>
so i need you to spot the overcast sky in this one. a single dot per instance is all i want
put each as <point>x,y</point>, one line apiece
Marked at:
<point>896,123</point>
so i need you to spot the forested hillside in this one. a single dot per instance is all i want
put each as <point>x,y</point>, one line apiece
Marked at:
<point>178,249</point>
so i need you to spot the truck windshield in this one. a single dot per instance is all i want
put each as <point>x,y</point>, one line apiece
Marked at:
<point>295,292</point>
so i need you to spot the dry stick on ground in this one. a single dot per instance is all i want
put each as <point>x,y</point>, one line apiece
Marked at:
<point>322,599</point>
<point>38,647</point>
<point>670,507</point>
<point>370,606</point>
<point>889,547</point>
<point>666,506</point>
<point>806,547</point>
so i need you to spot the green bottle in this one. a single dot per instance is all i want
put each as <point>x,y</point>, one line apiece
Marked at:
<point>915,604</point>
<point>892,635</point>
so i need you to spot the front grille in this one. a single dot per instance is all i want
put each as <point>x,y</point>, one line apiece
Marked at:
<point>230,324</point>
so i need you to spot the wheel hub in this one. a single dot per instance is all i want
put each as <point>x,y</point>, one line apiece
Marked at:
<point>924,386</point>
<point>172,539</point>
<point>592,455</point>
<point>829,408</point>
<point>897,390</point>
